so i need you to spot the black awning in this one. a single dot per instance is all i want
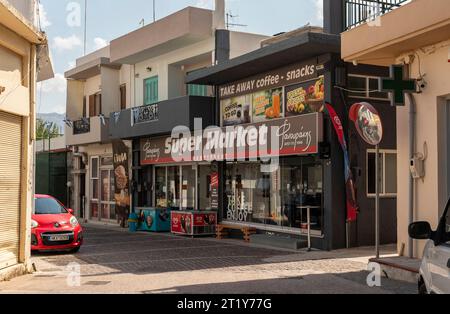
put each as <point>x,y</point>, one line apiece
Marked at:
<point>274,56</point>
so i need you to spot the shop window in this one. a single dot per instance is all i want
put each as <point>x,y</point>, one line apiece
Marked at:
<point>388,173</point>
<point>94,201</point>
<point>173,182</point>
<point>365,87</point>
<point>278,199</point>
<point>151,90</point>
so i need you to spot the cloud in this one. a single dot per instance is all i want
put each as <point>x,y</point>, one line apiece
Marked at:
<point>71,65</point>
<point>66,43</point>
<point>43,19</point>
<point>205,4</point>
<point>319,9</point>
<point>58,84</point>
<point>100,43</point>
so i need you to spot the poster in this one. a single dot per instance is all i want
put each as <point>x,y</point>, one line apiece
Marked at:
<point>214,191</point>
<point>122,180</point>
<point>236,110</point>
<point>268,105</point>
<point>305,97</point>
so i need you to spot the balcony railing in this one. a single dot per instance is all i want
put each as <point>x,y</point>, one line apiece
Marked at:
<point>358,12</point>
<point>82,126</point>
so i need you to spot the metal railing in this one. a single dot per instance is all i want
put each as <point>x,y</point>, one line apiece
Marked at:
<point>82,126</point>
<point>358,12</point>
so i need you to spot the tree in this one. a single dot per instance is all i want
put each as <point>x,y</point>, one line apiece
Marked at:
<point>46,130</point>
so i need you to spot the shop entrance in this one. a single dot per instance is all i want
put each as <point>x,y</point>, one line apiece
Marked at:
<point>185,187</point>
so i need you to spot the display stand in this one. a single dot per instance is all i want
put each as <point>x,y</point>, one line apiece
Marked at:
<point>193,223</point>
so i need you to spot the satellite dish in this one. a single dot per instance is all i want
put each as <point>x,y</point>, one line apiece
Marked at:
<point>367,122</point>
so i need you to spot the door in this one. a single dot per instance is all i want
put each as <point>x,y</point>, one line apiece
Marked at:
<point>440,261</point>
<point>10,173</point>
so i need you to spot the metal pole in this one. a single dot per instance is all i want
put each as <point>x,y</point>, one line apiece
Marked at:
<point>85,25</point>
<point>154,11</point>
<point>377,202</point>
<point>309,227</point>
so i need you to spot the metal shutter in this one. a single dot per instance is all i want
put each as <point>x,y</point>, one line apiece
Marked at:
<point>10,173</point>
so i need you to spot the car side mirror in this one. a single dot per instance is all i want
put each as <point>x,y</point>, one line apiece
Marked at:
<point>71,211</point>
<point>420,230</point>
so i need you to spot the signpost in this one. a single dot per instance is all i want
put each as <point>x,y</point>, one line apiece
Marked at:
<point>368,124</point>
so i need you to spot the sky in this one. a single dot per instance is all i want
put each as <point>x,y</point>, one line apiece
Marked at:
<point>63,22</point>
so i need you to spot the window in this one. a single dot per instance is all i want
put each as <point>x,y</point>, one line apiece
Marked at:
<point>95,105</point>
<point>94,202</point>
<point>278,199</point>
<point>151,90</point>
<point>197,90</point>
<point>365,87</point>
<point>123,96</point>
<point>388,172</point>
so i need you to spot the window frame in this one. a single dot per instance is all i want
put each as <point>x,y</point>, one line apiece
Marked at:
<point>382,152</point>
<point>367,94</point>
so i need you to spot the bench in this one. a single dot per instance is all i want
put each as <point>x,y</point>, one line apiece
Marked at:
<point>222,231</point>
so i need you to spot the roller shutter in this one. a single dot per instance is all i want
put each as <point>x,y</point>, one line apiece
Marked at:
<point>10,173</point>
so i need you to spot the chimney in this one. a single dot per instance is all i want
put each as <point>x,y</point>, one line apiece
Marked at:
<point>333,16</point>
<point>219,14</point>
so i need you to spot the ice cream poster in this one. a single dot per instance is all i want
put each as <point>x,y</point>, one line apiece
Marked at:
<point>122,178</point>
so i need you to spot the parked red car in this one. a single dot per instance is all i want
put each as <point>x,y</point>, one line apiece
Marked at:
<point>54,227</point>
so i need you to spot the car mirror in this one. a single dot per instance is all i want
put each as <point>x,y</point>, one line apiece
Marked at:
<point>420,230</point>
<point>70,210</point>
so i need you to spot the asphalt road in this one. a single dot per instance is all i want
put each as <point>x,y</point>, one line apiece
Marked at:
<point>115,261</point>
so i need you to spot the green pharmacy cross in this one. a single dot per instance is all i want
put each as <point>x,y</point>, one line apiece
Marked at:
<point>397,85</point>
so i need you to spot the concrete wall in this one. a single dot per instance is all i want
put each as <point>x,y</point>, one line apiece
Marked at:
<point>110,87</point>
<point>242,43</point>
<point>432,192</point>
<point>74,104</point>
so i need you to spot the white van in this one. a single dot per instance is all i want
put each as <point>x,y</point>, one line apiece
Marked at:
<point>435,270</point>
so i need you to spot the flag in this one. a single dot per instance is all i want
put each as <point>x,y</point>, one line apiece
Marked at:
<point>352,207</point>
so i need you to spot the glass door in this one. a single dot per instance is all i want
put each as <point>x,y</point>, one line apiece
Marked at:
<point>107,195</point>
<point>188,187</point>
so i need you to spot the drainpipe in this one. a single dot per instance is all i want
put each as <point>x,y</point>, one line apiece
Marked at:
<point>412,149</point>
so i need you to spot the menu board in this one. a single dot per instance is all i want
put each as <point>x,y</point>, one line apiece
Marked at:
<point>268,105</point>
<point>303,98</point>
<point>236,110</point>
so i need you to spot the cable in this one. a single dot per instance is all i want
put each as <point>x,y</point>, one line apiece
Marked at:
<point>357,91</point>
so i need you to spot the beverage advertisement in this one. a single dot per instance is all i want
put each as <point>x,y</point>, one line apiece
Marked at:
<point>181,223</point>
<point>236,110</point>
<point>268,105</point>
<point>303,98</point>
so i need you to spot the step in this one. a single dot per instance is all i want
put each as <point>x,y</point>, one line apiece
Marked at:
<point>399,268</point>
<point>278,241</point>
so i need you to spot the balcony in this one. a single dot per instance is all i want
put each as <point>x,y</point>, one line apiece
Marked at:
<point>162,117</point>
<point>87,131</point>
<point>417,24</point>
<point>358,12</point>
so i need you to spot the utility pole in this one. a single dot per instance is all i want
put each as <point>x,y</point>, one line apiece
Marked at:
<point>85,25</point>
<point>154,11</point>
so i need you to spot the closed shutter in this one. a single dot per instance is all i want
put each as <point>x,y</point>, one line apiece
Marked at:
<point>151,90</point>
<point>10,172</point>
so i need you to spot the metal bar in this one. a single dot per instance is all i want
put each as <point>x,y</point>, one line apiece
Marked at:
<point>308,210</point>
<point>377,202</point>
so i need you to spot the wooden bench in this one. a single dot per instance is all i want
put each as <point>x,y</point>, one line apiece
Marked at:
<point>222,231</point>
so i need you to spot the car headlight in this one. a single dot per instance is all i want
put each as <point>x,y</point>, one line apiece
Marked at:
<point>34,224</point>
<point>73,221</point>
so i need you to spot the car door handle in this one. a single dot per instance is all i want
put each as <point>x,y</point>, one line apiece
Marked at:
<point>448,263</point>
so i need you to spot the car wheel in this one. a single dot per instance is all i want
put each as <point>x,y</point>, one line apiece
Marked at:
<point>75,250</point>
<point>422,288</point>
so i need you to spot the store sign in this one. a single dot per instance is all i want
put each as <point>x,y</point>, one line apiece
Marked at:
<point>289,75</point>
<point>298,135</point>
<point>145,114</point>
<point>214,197</point>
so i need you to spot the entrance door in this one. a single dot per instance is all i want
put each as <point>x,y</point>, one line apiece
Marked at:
<point>107,203</point>
<point>10,173</point>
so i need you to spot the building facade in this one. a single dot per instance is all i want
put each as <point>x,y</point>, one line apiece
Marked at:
<point>136,88</point>
<point>23,62</point>
<point>422,47</point>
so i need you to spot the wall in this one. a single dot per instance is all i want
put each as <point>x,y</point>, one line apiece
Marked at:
<point>160,68</point>
<point>432,192</point>
<point>110,87</point>
<point>242,43</point>
<point>74,102</point>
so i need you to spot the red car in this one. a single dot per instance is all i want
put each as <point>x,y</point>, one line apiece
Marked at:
<point>54,227</point>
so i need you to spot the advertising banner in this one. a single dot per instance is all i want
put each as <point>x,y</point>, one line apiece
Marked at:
<point>236,110</point>
<point>303,98</point>
<point>122,179</point>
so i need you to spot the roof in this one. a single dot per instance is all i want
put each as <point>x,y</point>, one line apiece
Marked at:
<point>295,49</point>
<point>90,69</point>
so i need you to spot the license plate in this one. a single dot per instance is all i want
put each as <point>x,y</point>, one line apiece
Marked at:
<point>58,238</point>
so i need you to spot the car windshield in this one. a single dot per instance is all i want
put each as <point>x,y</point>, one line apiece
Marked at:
<point>48,206</point>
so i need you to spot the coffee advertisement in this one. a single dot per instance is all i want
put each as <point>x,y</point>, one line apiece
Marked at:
<point>122,179</point>
<point>236,110</point>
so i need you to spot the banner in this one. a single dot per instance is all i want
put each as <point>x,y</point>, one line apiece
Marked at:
<point>122,179</point>
<point>352,207</point>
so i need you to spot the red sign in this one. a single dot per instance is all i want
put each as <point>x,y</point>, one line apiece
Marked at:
<point>181,223</point>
